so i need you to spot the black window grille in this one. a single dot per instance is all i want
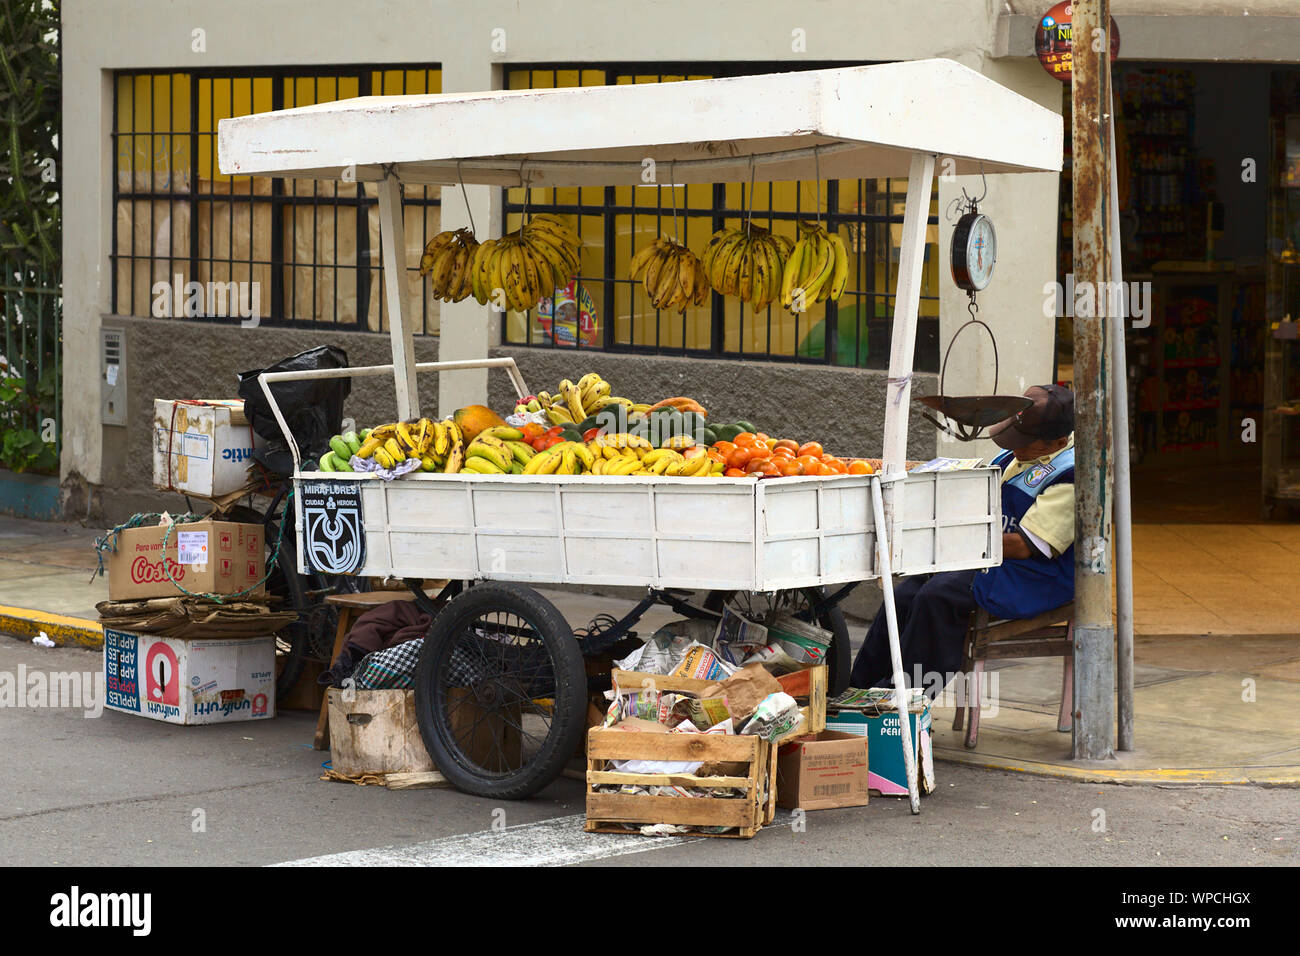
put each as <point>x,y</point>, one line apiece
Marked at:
<point>307,250</point>
<point>614,221</point>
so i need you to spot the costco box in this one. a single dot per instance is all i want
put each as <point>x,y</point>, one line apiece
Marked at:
<point>886,771</point>
<point>822,771</point>
<point>216,557</point>
<point>201,446</point>
<point>189,681</point>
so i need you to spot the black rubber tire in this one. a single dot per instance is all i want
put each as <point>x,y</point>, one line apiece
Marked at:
<point>566,686</point>
<point>839,655</point>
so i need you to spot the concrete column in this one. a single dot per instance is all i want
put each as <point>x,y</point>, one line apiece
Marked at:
<point>468,330</point>
<point>85,187</point>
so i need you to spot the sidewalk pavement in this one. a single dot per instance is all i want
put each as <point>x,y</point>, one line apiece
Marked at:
<point>1216,659</point>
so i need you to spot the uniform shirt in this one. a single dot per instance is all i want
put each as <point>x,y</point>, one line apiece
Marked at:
<point>1048,525</point>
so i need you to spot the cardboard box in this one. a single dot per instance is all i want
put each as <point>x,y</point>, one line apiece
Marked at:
<point>189,681</point>
<point>217,557</point>
<point>886,770</point>
<point>376,732</point>
<point>822,771</point>
<point>201,446</point>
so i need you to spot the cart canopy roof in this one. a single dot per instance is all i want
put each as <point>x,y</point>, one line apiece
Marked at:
<point>849,123</point>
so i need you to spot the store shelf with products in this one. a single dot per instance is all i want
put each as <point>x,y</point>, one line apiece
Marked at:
<point>1280,398</point>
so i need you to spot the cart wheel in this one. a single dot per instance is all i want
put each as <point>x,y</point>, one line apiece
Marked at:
<point>500,691</point>
<point>760,606</point>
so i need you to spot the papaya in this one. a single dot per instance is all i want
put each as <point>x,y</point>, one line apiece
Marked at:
<point>473,419</point>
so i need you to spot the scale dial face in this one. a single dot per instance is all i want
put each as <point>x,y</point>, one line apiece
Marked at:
<point>974,252</point>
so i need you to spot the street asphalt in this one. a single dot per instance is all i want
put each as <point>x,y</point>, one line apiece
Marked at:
<point>123,790</point>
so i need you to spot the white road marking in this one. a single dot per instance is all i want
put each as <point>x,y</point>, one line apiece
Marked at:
<point>560,841</point>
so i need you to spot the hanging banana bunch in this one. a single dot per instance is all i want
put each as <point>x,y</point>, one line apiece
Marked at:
<point>817,269</point>
<point>673,276</point>
<point>520,269</point>
<point>448,260</point>
<point>748,263</point>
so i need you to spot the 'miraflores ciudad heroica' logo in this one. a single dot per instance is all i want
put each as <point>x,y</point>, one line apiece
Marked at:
<point>333,529</point>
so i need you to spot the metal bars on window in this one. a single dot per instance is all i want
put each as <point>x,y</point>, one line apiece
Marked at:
<point>605,310</point>
<point>190,242</point>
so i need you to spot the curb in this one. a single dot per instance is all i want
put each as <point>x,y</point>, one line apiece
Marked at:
<point>63,631</point>
<point>1282,776</point>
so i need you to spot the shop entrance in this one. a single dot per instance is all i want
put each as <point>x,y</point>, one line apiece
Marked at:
<point>1208,163</point>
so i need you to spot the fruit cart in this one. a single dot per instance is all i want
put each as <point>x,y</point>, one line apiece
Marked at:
<point>502,685</point>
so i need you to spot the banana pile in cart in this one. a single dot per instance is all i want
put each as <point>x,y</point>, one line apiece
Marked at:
<point>582,429</point>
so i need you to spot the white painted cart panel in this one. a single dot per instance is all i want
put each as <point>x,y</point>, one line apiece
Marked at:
<point>707,533</point>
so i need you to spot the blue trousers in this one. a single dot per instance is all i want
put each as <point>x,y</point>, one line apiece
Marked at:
<point>933,615</point>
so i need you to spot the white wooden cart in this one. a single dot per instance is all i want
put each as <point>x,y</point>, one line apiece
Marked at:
<point>720,534</point>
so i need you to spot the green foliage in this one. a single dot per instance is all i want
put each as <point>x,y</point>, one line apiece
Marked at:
<point>29,130</point>
<point>22,447</point>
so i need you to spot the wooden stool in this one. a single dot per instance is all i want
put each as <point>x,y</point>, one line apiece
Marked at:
<point>351,607</point>
<point>1047,635</point>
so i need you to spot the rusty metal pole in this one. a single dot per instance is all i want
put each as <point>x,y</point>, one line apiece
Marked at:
<point>1094,629</point>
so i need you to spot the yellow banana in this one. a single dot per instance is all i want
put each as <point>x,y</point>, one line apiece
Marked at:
<point>406,439</point>
<point>659,454</point>
<point>441,438</point>
<point>493,450</point>
<point>394,450</point>
<point>840,276</point>
<point>455,459</point>
<point>369,445</point>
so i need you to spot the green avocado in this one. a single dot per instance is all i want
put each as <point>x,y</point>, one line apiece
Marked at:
<point>746,427</point>
<point>727,432</point>
<point>570,433</point>
<point>708,436</point>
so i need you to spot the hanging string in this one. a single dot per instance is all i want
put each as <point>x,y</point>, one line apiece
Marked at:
<point>672,189</point>
<point>817,171</point>
<point>527,191</point>
<point>465,196</point>
<point>749,218</point>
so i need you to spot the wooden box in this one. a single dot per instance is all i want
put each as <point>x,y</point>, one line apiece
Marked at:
<point>810,683</point>
<point>376,732</point>
<point>605,811</point>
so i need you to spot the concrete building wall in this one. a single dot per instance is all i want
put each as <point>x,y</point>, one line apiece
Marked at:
<point>184,359</point>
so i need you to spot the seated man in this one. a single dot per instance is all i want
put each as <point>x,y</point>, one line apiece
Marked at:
<point>1037,570</point>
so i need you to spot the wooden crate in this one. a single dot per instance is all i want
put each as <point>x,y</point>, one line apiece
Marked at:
<point>747,813</point>
<point>376,732</point>
<point>814,712</point>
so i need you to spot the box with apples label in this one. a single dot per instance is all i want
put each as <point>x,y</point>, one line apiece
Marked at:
<point>181,681</point>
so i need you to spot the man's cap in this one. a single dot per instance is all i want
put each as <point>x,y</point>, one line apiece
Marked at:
<point>1051,416</point>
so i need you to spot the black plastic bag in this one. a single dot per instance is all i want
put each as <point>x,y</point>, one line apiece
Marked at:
<point>313,408</point>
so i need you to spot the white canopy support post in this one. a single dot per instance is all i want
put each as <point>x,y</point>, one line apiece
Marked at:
<point>907,302</point>
<point>901,697</point>
<point>392,241</point>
